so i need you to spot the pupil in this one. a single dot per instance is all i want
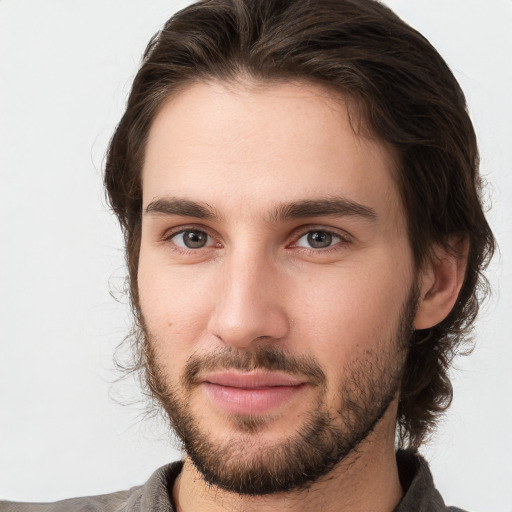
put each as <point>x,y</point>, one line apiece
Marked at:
<point>319,239</point>
<point>194,239</point>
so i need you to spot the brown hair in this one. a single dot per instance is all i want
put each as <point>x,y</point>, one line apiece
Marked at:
<point>407,97</point>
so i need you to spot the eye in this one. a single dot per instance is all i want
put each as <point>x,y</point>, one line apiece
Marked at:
<point>318,239</point>
<point>191,239</point>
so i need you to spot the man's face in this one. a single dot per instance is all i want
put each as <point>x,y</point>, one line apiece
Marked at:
<point>276,282</point>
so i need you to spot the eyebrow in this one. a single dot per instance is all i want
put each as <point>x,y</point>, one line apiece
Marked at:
<point>181,207</point>
<point>330,207</point>
<point>325,207</point>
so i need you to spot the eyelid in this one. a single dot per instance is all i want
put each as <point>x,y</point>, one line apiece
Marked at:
<point>346,238</point>
<point>172,232</point>
<point>169,233</point>
<point>304,230</point>
<point>297,233</point>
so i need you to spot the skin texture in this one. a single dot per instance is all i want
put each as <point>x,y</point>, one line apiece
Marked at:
<point>258,286</point>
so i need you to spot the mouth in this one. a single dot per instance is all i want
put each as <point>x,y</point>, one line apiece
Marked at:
<point>251,393</point>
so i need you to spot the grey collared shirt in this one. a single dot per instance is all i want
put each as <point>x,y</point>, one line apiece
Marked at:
<point>420,494</point>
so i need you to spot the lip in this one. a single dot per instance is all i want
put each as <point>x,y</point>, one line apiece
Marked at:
<point>252,392</point>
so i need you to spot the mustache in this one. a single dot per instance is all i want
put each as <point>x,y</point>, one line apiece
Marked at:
<point>261,358</point>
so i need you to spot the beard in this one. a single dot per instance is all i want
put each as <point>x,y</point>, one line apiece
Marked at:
<point>246,465</point>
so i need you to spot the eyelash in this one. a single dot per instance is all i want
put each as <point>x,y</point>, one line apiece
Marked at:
<point>344,240</point>
<point>170,235</point>
<point>344,237</point>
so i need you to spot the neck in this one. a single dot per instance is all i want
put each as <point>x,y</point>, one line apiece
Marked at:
<point>366,480</point>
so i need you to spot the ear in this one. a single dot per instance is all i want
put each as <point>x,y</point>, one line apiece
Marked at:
<point>440,284</point>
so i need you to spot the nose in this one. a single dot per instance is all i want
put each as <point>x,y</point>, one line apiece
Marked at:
<point>249,307</point>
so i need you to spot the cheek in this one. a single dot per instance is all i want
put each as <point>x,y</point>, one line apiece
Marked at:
<point>349,311</point>
<point>175,306</point>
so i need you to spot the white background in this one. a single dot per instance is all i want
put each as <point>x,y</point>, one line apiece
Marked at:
<point>65,72</point>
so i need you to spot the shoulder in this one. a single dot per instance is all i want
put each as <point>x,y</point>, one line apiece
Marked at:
<point>153,495</point>
<point>420,493</point>
<point>103,503</point>
<point>113,502</point>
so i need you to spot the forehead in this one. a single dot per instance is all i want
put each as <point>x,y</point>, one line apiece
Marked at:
<point>249,145</point>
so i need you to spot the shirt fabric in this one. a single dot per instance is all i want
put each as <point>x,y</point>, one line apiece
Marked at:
<point>420,494</point>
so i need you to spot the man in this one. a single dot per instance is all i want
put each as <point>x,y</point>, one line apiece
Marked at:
<point>298,187</point>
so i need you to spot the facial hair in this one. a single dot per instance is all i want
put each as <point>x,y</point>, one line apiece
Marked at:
<point>245,464</point>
